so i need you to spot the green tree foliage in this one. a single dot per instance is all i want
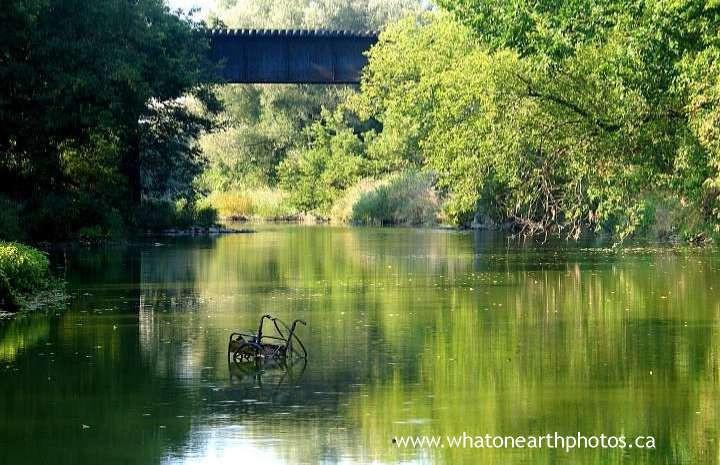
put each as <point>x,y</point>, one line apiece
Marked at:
<point>23,270</point>
<point>171,157</point>
<point>559,117</point>
<point>312,14</point>
<point>600,103</point>
<point>702,72</point>
<point>89,95</point>
<point>263,124</point>
<point>315,176</point>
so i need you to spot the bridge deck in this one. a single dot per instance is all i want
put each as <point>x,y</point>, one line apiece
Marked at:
<point>290,56</point>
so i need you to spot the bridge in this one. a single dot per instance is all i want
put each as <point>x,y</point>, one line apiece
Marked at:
<point>294,56</point>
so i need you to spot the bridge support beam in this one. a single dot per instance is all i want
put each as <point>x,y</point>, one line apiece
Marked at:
<point>290,56</point>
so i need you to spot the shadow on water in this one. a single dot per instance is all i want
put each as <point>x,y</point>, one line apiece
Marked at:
<point>410,332</point>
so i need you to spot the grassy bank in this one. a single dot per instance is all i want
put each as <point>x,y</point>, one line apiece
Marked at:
<point>412,198</point>
<point>24,271</point>
<point>263,203</point>
<point>403,199</point>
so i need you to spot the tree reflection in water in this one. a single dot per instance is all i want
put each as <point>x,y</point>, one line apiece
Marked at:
<point>409,332</point>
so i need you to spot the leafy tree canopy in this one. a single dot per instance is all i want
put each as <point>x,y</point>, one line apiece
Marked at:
<point>556,116</point>
<point>86,90</point>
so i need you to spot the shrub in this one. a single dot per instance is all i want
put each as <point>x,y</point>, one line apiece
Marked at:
<point>92,234</point>
<point>342,210</point>
<point>64,216</point>
<point>400,199</point>
<point>23,270</point>
<point>261,203</point>
<point>156,215</point>
<point>316,175</point>
<point>183,214</point>
<point>668,219</point>
<point>205,216</point>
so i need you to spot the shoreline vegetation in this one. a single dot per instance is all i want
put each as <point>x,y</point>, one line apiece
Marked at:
<point>538,119</point>
<point>542,119</point>
<point>24,277</point>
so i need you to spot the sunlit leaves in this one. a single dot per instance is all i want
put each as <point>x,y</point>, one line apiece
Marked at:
<point>557,117</point>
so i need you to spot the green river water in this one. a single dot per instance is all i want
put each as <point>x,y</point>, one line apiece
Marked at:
<point>410,332</point>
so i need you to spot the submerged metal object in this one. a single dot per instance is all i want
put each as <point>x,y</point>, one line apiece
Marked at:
<point>245,347</point>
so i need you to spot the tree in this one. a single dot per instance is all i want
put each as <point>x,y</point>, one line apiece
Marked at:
<point>316,175</point>
<point>557,117</point>
<point>81,78</point>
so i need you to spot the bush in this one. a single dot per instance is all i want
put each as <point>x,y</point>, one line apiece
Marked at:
<point>59,216</point>
<point>23,270</point>
<point>400,199</point>
<point>205,216</point>
<point>157,215</point>
<point>315,176</point>
<point>668,219</point>
<point>262,203</point>
<point>92,234</point>
<point>342,210</point>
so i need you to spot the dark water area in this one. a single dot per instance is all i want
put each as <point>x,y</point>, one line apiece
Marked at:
<point>410,332</point>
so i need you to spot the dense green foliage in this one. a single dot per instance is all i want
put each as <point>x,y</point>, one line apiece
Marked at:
<point>263,125</point>
<point>400,199</point>
<point>558,117</point>
<point>554,117</point>
<point>317,174</point>
<point>158,215</point>
<point>91,118</point>
<point>23,270</point>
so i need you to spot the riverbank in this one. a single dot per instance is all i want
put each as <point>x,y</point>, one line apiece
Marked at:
<point>400,199</point>
<point>412,200</point>
<point>195,231</point>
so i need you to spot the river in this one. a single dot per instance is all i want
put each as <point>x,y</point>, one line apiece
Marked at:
<point>410,332</point>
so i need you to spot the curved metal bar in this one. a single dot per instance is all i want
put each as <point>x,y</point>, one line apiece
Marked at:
<point>292,336</point>
<point>260,328</point>
<point>277,328</point>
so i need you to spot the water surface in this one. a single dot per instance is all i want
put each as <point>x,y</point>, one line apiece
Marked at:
<point>410,332</point>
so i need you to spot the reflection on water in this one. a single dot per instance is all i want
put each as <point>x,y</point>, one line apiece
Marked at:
<point>410,332</point>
